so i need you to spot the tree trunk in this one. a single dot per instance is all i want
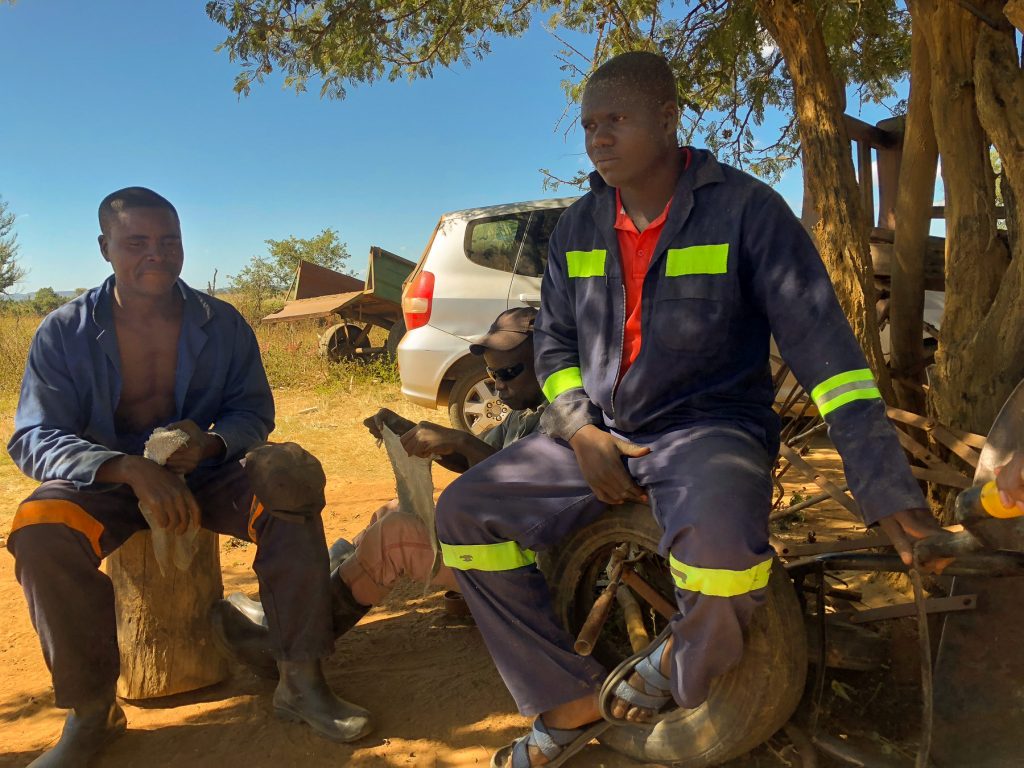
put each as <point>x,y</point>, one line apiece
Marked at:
<point>163,627</point>
<point>913,219</point>
<point>841,232</point>
<point>967,393</point>
<point>1000,98</point>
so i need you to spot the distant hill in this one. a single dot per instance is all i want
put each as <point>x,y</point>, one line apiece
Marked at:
<point>27,296</point>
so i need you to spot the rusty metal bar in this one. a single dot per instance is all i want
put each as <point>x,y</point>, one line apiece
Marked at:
<point>634,617</point>
<point>819,479</point>
<point>648,593</point>
<point>602,607</point>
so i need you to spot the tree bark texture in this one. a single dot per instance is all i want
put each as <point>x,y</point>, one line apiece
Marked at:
<point>968,386</point>
<point>1015,13</point>
<point>163,627</point>
<point>913,220</point>
<point>841,231</point>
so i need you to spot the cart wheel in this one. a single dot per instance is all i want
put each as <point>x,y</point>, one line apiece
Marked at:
<point>746,705</point>
<point>394,338</point>
<point>473,405</point>
<point>339,342</point>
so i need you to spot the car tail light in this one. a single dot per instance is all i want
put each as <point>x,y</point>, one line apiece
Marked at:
<point>417,300</point>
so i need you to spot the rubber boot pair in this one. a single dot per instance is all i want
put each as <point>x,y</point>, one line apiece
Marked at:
<point>87,730</point>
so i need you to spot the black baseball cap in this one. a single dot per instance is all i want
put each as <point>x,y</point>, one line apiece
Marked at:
<point>509,329</point>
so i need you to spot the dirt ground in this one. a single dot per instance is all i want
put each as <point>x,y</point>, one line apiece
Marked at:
<point>434,693</point>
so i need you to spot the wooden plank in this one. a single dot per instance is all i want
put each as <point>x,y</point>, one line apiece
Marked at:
<point>908,609</point>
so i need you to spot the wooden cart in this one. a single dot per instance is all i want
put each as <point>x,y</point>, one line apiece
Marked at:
<point>360,306</point>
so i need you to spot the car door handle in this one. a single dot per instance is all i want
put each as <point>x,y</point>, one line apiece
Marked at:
<point>533,299</point>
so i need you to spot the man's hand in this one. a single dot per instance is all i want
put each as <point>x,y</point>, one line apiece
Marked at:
<point>386,417</point>
<point>599,455</point>
<point>200,447</point>
<point>426,440</point>
<point>1010,482</point>
<point>906,527</point>
<point>158,489</point>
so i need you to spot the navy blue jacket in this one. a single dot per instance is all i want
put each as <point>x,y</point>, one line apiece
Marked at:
<point>733,266</point>
<point>64,425</point>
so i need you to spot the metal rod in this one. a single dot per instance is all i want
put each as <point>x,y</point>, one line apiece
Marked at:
<point>648,593</point>
<point>927,688</point>
<point>602,608</point>
<point>633,614</point>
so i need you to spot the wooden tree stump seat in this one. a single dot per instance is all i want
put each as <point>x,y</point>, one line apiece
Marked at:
<point>163,627</point>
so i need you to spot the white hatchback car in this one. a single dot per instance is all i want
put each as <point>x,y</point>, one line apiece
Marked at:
<point>478,263</point>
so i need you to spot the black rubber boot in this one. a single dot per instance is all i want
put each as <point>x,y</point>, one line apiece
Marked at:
<point>87,730</point>
<point>239,627</point>
<point>242,640</point>
<point>345,611</point>
<point>303,695</point>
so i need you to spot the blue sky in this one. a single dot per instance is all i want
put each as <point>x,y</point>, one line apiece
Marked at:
<point>112,93</point>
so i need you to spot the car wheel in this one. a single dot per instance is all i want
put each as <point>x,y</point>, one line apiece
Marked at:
<point>746,705</point>
<point>473,406</point>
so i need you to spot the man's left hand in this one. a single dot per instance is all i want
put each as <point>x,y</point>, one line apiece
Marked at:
<point>200,447</point>
<point>906,527</point>
<point>426,440</point>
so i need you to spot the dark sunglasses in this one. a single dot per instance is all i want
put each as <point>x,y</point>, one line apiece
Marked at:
<point>506,374</point>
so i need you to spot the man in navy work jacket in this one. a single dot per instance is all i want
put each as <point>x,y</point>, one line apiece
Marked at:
<point>662,287</point>
<point>141,351</point>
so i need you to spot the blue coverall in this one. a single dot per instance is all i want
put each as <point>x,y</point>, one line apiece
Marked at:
<point>65,430</point>
<point>732,267</point>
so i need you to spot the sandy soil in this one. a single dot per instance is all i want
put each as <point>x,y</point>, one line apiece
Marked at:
<point>433,690</point>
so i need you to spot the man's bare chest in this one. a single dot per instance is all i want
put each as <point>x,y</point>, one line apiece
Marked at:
<point>149,360</point>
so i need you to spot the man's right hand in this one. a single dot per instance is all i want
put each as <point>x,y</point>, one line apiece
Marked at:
<point>158,489</point>
<point>386,417</point>
<point>599,454</point>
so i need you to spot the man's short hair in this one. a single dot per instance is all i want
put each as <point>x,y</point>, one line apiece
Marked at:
<point>647,73</point>
<point>127,198</point>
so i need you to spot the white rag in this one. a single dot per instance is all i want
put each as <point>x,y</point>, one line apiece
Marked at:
<point>168,545</point>
<point>414,486</point>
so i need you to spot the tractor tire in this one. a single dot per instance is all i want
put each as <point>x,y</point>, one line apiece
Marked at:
<point>338,342</point>
<point>395,334</point>
<point>746,705</point>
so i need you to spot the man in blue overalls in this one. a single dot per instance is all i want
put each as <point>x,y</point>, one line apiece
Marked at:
<point>662,288</point>
<point>141,351</point>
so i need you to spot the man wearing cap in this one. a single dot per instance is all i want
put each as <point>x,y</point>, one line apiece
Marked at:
<point>142,351</point>
<point>397,543</point>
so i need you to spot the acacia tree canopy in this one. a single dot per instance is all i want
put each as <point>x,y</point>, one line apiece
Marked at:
<point>273,273</point>
<point>730,74</point>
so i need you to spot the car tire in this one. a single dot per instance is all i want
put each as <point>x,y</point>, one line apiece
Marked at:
<point>746,705</point>
<point>473,405</point>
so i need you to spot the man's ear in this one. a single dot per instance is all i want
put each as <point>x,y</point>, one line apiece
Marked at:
<point>670,117</point>
<point>102,240</point>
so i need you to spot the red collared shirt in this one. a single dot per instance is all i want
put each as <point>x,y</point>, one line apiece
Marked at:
<point>635,249</point>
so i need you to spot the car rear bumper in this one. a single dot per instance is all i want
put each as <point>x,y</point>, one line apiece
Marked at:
<point>424,357</point>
